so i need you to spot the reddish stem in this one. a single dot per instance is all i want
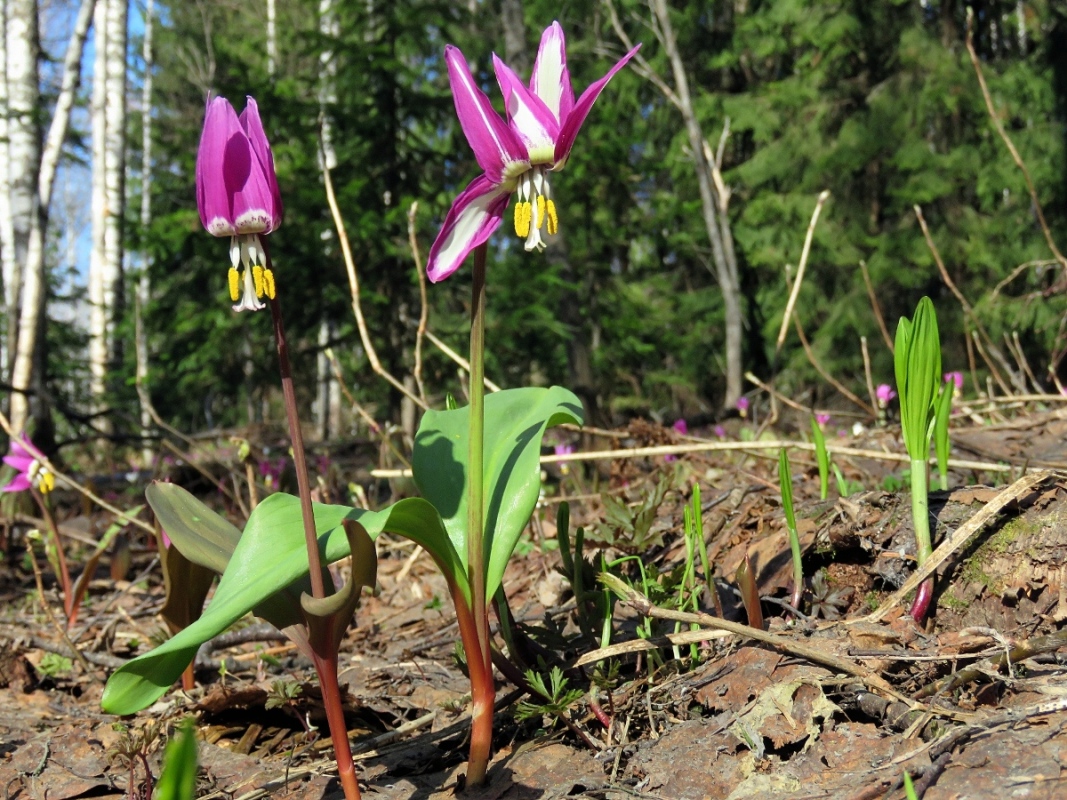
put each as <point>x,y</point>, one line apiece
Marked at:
<point>921,604</point>
<point>335,718</point>
<point>483,691</point>
<point>296,436</point>
<point>69,609</point>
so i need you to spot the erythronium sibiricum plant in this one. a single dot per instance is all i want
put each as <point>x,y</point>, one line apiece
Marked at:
<point>237,195</point>
<point>487,499</point>
<point>923,393</point>
<point>517,156</point>
<point>33,475</point>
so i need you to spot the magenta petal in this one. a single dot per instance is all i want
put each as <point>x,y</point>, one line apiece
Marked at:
<point>528,115</point>
<point>474,215</point>
<point>573,123</point>
<point>551,81</point>
<point>19,483</point>
<point>212,196</point>
<point>257,137</point>
<point>20,463</point>
<point>495,146</point>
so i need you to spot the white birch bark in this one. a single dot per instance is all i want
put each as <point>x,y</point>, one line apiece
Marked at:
<point>27,368</point>
<point>328,389</point>
<point>23,149</point>
<point>9,265</point>
<point>98,203</point>
<point>108,188</point>
<point>272,38</point>
<point>144,289</point>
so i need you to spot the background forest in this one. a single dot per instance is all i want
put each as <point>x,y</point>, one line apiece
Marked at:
<point>683,210</point>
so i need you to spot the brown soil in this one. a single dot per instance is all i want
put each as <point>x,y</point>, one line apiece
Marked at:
<point>728,717</point>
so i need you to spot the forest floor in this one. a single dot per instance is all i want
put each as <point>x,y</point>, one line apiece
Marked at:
<point>837,704</point>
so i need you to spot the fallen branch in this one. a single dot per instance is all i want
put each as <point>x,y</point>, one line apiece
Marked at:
<point>1018,490</point>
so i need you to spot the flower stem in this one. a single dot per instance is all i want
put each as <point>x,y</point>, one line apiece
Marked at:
<point>318,589</point>
<point>70,611</point>
<point>482,690</point>
<point>335,718</point>
<point>920,515</point>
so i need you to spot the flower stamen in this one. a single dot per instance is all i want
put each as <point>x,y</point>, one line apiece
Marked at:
<point>235,284</point>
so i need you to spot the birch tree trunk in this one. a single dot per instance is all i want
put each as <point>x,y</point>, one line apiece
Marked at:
<point>328,389</point>
<point>714,210</point>
<point>28,367</point>
<point>9,265</point>
<point>21,158</point>
<point>98,204</point>
<point>108,186</point>
<point>144,289</point>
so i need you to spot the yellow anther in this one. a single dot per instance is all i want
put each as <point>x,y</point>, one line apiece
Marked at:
<point>540,211</point>
<point>235,284</point>
<point>553,220</point>
<point>523,215</point>
<point>268,282</point>
<point>47,482</point>
<point>257,279</point>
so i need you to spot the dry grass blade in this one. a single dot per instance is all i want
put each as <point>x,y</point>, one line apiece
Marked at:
<point>823,195</point>
<point>818,655</point>
<point>640,645</point>
<point>1017,491</point>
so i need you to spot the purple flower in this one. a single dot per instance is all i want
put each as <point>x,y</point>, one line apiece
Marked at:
<point>719,431</point>
<point>742,406</point>
<point>822,419</point>
<point>884,393</point>
<point>681,427</point>
<point>954,377</point>
<point>516,156</point>
<point>237,194</point>
<point>28,462</point>
<point>564,449</point>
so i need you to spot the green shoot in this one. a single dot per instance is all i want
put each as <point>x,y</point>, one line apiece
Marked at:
<point>178,781</point>
<point>909,787</point>
<point>822,456</point>
<point>917,363</point>
<point>941,415</point>
<point>785,480</point>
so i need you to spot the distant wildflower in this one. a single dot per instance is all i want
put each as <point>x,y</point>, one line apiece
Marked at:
<point>954,378</point>
<point>564,450</point>
<point>822,419</point>
<point>884,393</point>
<point>681,427</point>
<point>516,157</point>
<point>719,431</point>
<point>237,194</point>
<point>29,464</point>
<point>742,406</point>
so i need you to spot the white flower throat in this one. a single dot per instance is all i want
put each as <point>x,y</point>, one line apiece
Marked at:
<point>534,208</point>
<point>257,280</point>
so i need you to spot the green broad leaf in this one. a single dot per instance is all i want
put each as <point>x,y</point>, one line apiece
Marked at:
<point>269,559</point>
<point>202,536</point>
<point>178,781</point>
<point>515,422</point>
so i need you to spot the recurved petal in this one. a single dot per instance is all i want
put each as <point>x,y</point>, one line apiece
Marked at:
<point>528,115</point>
<point>495,147</point>
<point>257,137</point>
<point>20,463</point>
<point>573,123</point>
<point>474,216</point>
<point>19,483</point>
<point>213,198</point>
<point>551,80</point>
